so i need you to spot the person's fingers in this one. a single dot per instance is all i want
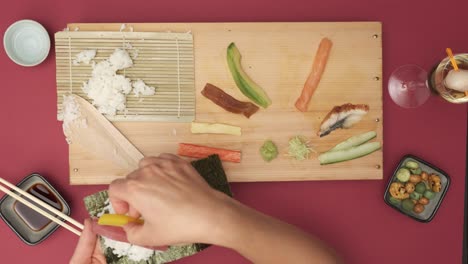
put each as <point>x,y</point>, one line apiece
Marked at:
<point>158,160</point>
<point>134,175</point>
<point>146,161</point>
<point>86,245</point>
<point>136,234</point>
<point>132,212</point>
<point>169,156</point>
<point>98,255</point>
<point>120,207</point>
<point>117,194</point>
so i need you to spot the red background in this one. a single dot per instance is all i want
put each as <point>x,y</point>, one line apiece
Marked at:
<point>350,215</point>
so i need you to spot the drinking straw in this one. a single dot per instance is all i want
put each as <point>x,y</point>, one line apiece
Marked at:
<point>452,59</point>
<point>454,63</point>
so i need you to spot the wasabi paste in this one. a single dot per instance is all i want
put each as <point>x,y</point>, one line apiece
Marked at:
<point>269,151</point>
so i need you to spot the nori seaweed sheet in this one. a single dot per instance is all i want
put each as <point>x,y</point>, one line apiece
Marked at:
<point>211,169</point>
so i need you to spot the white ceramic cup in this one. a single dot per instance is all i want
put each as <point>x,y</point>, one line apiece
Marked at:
<point>26,42</point>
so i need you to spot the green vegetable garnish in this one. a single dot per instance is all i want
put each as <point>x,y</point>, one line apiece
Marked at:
<point>269,151</point>
<point>348,154</point>
<point>246,85</point>
<point>355,141</point>
<point>298,148</point>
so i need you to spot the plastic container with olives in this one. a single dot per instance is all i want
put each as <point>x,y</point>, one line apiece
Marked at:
<point>417,188</point>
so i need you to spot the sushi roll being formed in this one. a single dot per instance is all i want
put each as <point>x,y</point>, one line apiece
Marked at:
<point>113,240</point>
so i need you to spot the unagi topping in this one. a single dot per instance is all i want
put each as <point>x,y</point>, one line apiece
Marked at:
<point>227,102</point>
<point>343,116</point>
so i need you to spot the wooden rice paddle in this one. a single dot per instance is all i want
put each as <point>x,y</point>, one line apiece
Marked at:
<point>101,138</point>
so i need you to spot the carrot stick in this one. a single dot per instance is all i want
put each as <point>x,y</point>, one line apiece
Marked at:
<point>197,151</point>
<point>320,61</point>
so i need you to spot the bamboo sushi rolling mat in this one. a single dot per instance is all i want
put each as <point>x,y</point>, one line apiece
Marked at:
<point>162,60</point>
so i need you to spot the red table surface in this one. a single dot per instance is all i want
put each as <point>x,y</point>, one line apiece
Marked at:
<point>349,215</point>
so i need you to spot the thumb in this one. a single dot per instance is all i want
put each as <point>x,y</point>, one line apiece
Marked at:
<point>86,245</point>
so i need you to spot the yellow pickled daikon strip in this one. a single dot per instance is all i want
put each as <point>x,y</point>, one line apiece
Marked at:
<point>215,128</point>
<point>117,220</point>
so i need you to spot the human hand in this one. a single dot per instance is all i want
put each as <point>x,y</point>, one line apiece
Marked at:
<point>178,206</point>
<point>88,250</point>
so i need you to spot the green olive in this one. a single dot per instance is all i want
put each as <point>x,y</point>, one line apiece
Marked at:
<point>415,196</point>
<point>412,164</point>
<point>429,194</point>
<point>420,187</point>
<point>407,205</point>
<point>394,201</point>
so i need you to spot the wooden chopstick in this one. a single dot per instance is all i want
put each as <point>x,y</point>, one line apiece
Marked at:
<point>43,204</point>
<point>39,210</point>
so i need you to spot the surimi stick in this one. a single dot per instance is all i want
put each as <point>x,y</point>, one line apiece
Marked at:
<point>320,61</point>
<point>197,151</point>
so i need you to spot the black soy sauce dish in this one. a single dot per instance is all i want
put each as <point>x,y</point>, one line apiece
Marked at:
<point>31,227</point>
<point>433,198</point>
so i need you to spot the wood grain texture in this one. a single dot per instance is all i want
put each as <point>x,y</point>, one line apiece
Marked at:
<point>278,56</point>
<point>101,138</point>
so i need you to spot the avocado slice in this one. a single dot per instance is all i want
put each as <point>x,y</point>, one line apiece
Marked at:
<point>246,85</point>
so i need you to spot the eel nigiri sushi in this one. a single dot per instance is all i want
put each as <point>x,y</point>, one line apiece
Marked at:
<point>343,116</point>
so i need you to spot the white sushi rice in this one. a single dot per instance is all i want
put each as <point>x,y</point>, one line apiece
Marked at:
<point>86,56</point>
<point>140,87</point>
<point>71,110</point>
<point>71,113</point>
<point>120,60</point>
<point>137,253</point>
<point>106,88</point>
<point>122,249</point>
<point>132,50</point>
<point>133,252</point>
<point>122,27</point>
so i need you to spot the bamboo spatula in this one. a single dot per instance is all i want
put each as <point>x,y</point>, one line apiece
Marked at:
<point>100,137</point>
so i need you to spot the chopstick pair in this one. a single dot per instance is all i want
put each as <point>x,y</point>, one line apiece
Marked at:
<point>39,210</point>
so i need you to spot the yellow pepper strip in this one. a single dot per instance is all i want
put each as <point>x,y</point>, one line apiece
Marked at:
<point>117,220</point>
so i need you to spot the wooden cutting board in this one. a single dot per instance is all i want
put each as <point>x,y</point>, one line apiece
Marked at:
<point>278,56</point>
